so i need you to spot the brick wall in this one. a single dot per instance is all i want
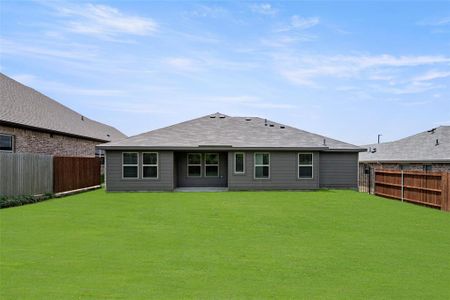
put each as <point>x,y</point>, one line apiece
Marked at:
<point>32,141</point>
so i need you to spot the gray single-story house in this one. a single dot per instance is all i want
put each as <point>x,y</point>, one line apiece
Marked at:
<point>237,153</point>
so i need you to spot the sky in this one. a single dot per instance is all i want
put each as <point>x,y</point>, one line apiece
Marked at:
<point>348,70</point>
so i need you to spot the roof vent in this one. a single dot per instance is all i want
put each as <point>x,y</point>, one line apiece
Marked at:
<point>248,119</point>
<point>82,118</point>
<point>374,150</point>
<point>212,117</point>
<point>324,142</point>
<point>265,122</point>
<point>222,117</point>
<point>271,125</point>
<point>437,142</point>
<point>282,127</point>
<point>107,135</point>
<point>432,130</point>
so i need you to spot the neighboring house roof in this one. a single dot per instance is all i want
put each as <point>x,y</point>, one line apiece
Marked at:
<point>24,106</point>
<point>429,146</point>
<point>219,131</point>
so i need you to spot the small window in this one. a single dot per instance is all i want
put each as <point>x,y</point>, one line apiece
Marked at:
<point>6,142</point>
<point>212,165</point>
<point>150,165</point>
<point>194,165</point>
<point>262,165</point>
<point>130,165</point>
<point>239,163</point>
<point>427,168</point>
<point>305,165</point>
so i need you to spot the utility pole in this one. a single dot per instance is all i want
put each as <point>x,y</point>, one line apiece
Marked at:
<point>379,135</point>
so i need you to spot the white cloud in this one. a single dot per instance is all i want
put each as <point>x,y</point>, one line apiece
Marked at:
<point>303,70</point>
<point>182,63</point>
<point>96,19</point>
<point>436,22</point>
<point>432,75</point>
<point>299,23</point>
<point>263,8</point>
<point>208,11</point>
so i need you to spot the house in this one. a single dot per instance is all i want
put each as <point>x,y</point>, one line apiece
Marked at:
<point>425,151</point>
<point>31,122</point>
<point>238,153</point>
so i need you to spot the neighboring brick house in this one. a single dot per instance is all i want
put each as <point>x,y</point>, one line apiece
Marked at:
<point>31,122</point>
<point>425,151</point>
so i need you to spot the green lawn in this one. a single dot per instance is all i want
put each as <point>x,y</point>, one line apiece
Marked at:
<point>326,244</point>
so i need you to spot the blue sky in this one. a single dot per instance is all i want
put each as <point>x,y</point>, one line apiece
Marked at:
<point>348,70</point>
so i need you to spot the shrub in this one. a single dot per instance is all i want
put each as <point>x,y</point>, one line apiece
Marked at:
<point>22,200</point>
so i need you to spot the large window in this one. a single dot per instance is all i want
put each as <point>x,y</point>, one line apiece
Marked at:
<point>305,165</point>
<point>6,143</point>
<point>194,165</point>
<point>211,164</point>
<point>150,165</point>
<point>262,165</point>
<point>239,163</point>
<point>130,165</point>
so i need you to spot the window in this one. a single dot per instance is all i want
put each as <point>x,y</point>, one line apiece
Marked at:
<point>427,168</point>
<point>129,165</point>
<point>150,165</point>
<point>211,164</point>
<point>194,164</point>
<point>305,165</point>
<point>239,163</point>
<point>262,165</point>
<point>6,142</point>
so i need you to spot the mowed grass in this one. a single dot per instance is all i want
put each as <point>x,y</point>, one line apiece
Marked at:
<point>325,244</point>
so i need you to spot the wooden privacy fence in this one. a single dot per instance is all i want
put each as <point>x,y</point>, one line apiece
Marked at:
<point>34,174</point>
<point>425,188</point>
<point>25,174</point>
<point>72,173</point>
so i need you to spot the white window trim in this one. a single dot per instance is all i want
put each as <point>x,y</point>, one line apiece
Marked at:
<point>131,165</point>
<point>188,165</point>
<point>209,165</point>
<point>255,165</point>
<point>305,165</point>
<point>12,143</point>
<point>243,161</point>
<point>151,165</point>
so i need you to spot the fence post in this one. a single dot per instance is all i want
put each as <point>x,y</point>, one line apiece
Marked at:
<point>402,186</point>
<point>445,194</point>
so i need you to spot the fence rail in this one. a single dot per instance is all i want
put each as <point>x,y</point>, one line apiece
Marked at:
<point>425,188</point>
<point>72,173</point>
<point>25,174</point>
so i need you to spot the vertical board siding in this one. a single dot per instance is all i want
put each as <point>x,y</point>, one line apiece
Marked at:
<point>72,173</point>
<point>25,174</point>
<point>426,188</point>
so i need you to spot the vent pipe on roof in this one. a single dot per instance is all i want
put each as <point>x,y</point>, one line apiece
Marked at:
<point>324,142</point>
<point>437,142</point>
<point>82,118</point>
<point>265,122</point>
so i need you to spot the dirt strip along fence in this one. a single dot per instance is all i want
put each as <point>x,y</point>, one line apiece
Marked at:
<point>72,173</point>
<point>424,188</point>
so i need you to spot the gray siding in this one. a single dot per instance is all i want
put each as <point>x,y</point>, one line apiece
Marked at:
<point>183,180</point>
<point>114,181</point>
<point>338,170</point>
<point>283,173</point>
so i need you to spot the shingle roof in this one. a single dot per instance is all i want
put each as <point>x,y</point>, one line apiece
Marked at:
<point>221,131</point>
<point>429,146</point>
<point>25,106</point>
